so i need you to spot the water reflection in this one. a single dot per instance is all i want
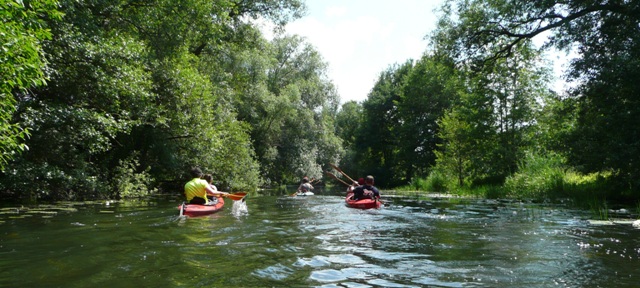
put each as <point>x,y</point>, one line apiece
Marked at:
<point>282,241</point>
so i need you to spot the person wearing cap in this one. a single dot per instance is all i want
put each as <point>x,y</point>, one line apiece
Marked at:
<point>305,186</point>
<point>197,189</point>
<point>366,191</point>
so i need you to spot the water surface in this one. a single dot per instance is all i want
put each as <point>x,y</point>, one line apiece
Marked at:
<point>316,241</point>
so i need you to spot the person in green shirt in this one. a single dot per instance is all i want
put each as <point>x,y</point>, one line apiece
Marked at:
<point>197,190</point>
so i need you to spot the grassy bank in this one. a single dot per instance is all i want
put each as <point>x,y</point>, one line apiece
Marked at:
<point>544,179</point>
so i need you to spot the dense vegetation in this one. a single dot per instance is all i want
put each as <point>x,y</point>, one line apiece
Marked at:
<point>137,92</point>
<point>478,113</point>
<point>119,98</point>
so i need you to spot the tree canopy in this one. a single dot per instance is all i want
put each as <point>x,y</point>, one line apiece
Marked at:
<point>108,99</point>
<point>139,92</point>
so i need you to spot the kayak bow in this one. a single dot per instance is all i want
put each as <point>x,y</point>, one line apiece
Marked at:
<point>362,203</point>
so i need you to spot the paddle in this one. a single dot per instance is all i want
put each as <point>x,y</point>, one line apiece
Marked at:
<point>341,172</point>
<point>336,177</point>
<point>182,209</point>
<point>234,196</point>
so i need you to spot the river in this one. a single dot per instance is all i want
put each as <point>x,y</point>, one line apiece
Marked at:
<point>316,241</point>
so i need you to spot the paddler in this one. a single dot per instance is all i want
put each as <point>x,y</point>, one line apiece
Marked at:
<point>197,190</point>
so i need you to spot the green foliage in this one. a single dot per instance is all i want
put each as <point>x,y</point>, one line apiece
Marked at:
<point>143,92</point>
<point>25,181</point>
<point>348,127</point>
<point>290,108</point>
<point>21,64</point>
<point>436,182</point>
<point>348,122</point>
<point>130,182</point>
<point>539,176</point>
<point>595,128</point>
<point>480,191</point>
<point>487,131</point>
<point>454,154</point>
<point>430,89</point>
<point>377,146</point>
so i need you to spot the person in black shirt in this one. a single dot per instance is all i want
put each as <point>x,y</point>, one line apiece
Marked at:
<point>366,191</point>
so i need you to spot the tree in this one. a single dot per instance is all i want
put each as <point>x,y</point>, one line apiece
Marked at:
<point>22,64</point>
<point>430,90</point>
<point>348,127</point>
<point>377,145</point>
<point>138,88</point>
<point>496,115</point>
<point>297,130</point>
<point>605,36</point>
<point>290,107</point>
<point>454,154</point>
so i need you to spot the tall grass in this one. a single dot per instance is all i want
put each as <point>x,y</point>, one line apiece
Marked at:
<point>482,191</point>
<point>538,176</point>
<point>435,182</point>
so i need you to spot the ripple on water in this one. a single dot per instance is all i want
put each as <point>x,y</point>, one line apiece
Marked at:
<point>316,261</point>
<point>328,275</point>
<point>435,282</point>
<point>345,284</point>
<point>275,272</point>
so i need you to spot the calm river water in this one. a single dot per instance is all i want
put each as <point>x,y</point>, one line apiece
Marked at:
<point>315,241</point>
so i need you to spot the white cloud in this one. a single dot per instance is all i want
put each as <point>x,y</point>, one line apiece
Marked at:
<point>360,39</point>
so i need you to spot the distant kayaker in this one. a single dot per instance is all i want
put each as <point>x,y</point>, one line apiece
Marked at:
<point>366,191</point>
<point>305,186</point>
<point>197,190</point>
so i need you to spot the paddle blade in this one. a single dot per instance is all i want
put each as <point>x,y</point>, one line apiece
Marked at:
<point>236,196</point>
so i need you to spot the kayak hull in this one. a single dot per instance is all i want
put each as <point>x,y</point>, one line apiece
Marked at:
<point>195,210</point>
<point>362,203</point>
<point>308,193</point>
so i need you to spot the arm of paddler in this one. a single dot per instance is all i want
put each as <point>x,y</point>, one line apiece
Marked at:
<point>215,192</point>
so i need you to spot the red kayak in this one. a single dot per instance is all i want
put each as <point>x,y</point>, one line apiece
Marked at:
<point>193,210</point>
<point>362,203</point>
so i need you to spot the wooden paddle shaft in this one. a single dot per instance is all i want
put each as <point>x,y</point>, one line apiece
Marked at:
<point>342,172</point>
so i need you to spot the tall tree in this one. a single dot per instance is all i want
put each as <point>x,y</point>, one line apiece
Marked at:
<point>430,90</point>
<point>349,121</point>
<point>22,63</point>
<point>139,88</point>
<point>290,107</point>
<point>377,145</point>
<point>497,111</point>
<point>605,36</point>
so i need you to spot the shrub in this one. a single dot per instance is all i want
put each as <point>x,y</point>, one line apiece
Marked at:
<point>129,182</point>
<point>435,182</point>
<point>538,176</point>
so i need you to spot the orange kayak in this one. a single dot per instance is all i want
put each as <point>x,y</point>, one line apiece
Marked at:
<point>194,210</point>
<point>362,203</point>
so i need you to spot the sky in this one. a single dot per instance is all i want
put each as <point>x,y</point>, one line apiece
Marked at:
<point>361,38</point>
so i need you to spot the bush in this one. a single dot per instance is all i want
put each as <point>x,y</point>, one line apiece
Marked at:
<point>538,176</point>
<point>132,184</point>
<point>436,182</point>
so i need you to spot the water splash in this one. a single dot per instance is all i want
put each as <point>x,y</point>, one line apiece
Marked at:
<point>239,208</point>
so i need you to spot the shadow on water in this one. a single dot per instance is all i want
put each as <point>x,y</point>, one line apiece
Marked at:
<point>315,241</point>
